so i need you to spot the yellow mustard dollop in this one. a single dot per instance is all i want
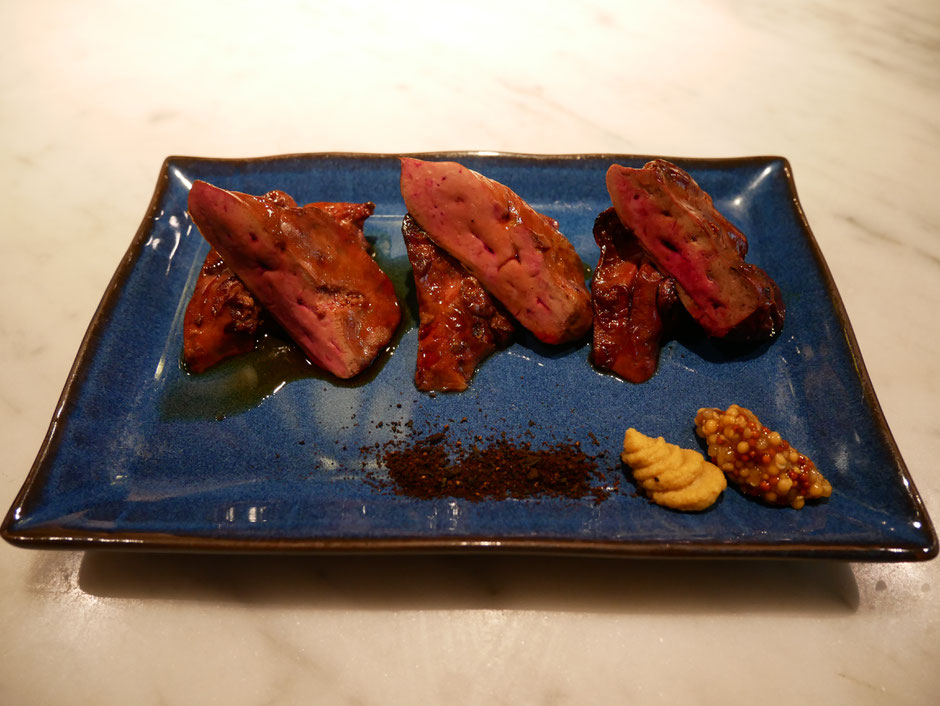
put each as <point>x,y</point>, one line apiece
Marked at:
<point>671,476</point>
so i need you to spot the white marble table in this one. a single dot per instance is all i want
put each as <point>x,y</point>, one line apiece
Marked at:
<point>96,94</point>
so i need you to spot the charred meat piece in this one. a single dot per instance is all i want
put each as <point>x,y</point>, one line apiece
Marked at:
<point>632,303</point>
<point>682,232</point>
<point>517,254</point>
<point>221,319</point>
<point>307,271</point>
<point>460,324</point>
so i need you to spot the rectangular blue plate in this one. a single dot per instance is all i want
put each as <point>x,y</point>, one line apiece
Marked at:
<point>264,454</point>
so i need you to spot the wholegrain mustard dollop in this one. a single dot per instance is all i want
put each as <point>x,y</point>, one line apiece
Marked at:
<point>758,460</point>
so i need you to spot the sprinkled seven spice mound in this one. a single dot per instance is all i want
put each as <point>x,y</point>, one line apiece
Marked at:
<point>758,460</point>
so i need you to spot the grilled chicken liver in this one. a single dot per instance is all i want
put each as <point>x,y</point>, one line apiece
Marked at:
<point>310,273</point>
<point>223,317</point>
<point>460,324</point>
<point>517,254</point>
<point>689,240</point>
<point>632,303</point>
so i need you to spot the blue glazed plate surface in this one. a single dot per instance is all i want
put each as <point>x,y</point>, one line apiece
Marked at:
<point>264,454</point>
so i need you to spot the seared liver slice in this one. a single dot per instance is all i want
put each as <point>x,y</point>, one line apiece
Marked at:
<point>517,254</point>
<point>223,317</point>
<point>312,275</point>
<point>460,324</point>
<point>688,239</point>
<point>632,303</point>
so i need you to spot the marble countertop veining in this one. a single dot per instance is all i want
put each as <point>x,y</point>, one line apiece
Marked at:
<point>95,95</point>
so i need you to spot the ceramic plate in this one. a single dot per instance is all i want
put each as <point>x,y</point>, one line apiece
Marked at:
<point>265,454</point>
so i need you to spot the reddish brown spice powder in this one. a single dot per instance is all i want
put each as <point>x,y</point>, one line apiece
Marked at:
<point>429,467</point>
